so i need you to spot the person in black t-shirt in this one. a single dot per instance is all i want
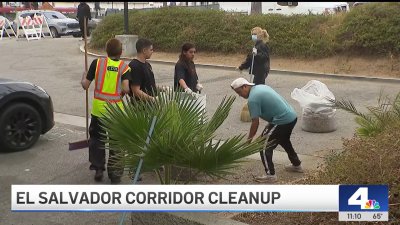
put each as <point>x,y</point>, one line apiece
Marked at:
<point>141,81</point>
<point>185,77</point>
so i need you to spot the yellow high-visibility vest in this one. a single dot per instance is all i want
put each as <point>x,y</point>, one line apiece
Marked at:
<point>108,84</point>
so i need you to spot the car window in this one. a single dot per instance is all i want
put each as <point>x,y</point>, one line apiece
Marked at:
<point>54,15</point>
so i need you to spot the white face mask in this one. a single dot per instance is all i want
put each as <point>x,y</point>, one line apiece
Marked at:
<point>254,37</point>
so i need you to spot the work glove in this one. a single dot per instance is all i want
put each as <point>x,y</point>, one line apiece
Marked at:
<point>199,87</point>
<point>188,91</point>
<point>166,89</point>
<point>254,51</point>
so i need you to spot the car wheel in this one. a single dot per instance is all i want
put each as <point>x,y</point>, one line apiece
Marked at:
<point>54,32</point>
<point>20,127</point>
<point>76,35</point>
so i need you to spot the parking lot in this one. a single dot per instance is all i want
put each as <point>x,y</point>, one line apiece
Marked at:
<point>57,66</point>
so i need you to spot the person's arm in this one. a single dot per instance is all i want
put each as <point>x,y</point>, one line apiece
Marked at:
<point>89,15</point>
<point>139,93</point>
<point>125,81</point>
<point>247,63</point>
<point>88,78</point>
<point>255,113</point>
<point>78,14</point>
<point>253,128</point>
<point>136,77</point>
<point>262,54</point>
<point>180,75</point>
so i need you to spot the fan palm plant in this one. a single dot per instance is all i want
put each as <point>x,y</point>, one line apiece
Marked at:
<point>377,118</point>
<point>183,136</point>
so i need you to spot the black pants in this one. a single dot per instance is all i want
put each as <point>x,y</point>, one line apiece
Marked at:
<point>278,134</point>
<point>81,26</point>
<point>97,152</point>
<point>260,79</point>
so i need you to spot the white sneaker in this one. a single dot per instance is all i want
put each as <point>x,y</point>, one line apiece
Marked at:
<point>291,168</point>
<point>267,178</point>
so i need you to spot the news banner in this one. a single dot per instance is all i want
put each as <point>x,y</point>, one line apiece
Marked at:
<point>352,202</point>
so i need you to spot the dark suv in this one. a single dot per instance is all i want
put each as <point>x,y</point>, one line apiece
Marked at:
<point>26,111</point>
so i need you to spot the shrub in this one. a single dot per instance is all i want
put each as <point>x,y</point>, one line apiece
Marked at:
<point>372,160</point>
<point>293,36</point>
<point>371,28</point>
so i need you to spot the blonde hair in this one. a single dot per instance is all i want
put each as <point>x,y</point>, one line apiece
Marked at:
<point>262,34</point>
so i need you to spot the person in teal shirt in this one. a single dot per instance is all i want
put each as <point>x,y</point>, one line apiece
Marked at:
<point>265,103</point>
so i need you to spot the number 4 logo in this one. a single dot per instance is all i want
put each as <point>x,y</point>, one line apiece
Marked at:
<point>360,197</point>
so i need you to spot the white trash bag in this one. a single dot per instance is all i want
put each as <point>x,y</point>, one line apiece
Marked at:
<point>318,113</point>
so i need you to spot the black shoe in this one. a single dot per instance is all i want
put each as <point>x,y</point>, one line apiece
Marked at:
<point>99,175</point>
<point>115,180</point>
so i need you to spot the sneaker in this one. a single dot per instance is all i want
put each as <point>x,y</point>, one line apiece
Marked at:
<point>99,175</point>
<point>267,178</point>
<point>297,169</point>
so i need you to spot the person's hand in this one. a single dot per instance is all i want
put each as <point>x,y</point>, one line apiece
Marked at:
<point>249,140</point>
<point>254,51</point>
<point>188,90</point>
<point>166,88</point>
<point>199,87</point>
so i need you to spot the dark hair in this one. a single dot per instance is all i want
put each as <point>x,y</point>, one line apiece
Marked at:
<point>113,47</point>
<point>184,61</point>
<point>185,48</point>
<point>142,43</point>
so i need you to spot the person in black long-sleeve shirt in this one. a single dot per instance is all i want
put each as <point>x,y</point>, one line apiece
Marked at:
<point>260,51</point>
<point>185,77</point>
<point>83,11</point>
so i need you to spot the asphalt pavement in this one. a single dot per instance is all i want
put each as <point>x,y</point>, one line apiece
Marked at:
<point>57,66</point>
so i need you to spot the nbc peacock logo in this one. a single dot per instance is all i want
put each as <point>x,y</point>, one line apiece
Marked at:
<point>372,204</point>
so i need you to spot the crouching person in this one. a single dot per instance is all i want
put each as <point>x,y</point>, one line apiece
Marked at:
<point>267,104</point>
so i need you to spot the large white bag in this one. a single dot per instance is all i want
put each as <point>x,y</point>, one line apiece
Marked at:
<point>318,114</point>
<point>314,96</point>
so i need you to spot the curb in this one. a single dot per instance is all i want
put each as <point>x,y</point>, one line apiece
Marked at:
<point>281,72</point>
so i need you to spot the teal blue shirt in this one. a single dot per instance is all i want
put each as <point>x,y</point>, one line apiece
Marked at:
<point>266,103</point>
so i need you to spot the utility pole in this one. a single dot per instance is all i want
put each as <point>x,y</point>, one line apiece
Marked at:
<point>126,18</point>
<point>256,8</point>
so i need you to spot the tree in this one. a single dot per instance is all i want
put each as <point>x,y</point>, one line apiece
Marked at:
<point>183,137</point>
<point>256,8</point>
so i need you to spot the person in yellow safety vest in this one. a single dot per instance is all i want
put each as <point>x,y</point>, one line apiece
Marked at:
<point>110,76</point>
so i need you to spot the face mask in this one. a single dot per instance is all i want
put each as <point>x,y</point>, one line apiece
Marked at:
<point>254,37</point>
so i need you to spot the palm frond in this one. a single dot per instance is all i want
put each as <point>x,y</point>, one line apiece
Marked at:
<point>182,137</point>
<point>378,117</point>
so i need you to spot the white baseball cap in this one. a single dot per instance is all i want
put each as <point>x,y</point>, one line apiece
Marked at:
<point>240,82</point>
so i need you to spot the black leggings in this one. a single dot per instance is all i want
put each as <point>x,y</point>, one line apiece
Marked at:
<point>278,134</point>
